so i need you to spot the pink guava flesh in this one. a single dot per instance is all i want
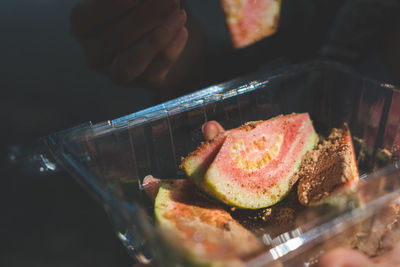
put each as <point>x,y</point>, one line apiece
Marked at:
<point>251,20</point>
<point>256,165</point>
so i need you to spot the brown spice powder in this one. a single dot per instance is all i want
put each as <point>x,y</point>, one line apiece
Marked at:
<point>326,168</point>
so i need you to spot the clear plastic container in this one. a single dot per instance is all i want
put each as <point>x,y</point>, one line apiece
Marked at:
<point>111,159</point>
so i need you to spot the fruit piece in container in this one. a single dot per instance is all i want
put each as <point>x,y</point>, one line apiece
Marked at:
<point>251,20</point>
<point>203,232</point>
<point>256,165</point>
<point>332,165</point>
<point>196,163</point>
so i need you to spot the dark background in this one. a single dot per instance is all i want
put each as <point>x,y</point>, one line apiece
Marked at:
<point>45,87</point>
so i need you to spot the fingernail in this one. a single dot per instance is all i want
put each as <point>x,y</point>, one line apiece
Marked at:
<point>176,19</point>
<point>150,186</point>
<point>210,130</point>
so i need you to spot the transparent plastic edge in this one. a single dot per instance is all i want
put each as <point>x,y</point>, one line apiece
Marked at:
<point>305,240</point>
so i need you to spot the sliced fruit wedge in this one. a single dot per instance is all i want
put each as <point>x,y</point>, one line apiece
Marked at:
<point>251,20</point>
<point>331,166</point>
<point>196,163</point>
<point>256,164</point>
<point>205,233</point>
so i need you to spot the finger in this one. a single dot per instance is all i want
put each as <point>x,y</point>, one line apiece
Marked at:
<point>344,257</point>
<point>131,64</point>
<point>88,14</point>
<point>150,186</point>
<point>130,29</point>
<point>160,66</point>
<point>211,129</point>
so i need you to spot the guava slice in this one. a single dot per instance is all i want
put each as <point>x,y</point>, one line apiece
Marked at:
<point>196,163</point>
<point>205,233</point>
<point>256,164</point>
<point>251,20</point>
<point>331,166</point>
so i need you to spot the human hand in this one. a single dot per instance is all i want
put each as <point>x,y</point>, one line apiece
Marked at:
<point>131,40</point>
<point>211,129</point>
